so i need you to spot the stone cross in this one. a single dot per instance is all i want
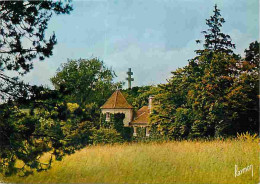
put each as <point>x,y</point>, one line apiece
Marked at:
<point>129,78</point>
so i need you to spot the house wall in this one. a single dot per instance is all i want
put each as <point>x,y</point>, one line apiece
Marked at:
<point>128,114</point>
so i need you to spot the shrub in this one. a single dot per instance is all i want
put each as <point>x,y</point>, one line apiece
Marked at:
<point>127,133</point>
<point>154,136</point>
<point>116,123</point>
<point>106,136</point>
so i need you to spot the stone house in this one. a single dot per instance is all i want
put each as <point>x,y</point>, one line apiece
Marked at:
<point>118,104</point>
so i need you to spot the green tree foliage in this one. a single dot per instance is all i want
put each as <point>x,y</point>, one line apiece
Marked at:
<point>117,123</point>
<point>219,96</point>
<point>23,40</point>
<point>207,98</point>
<point>106,136</point>
<point>12,88</point>
<point>215,40</point>
<point>252,56</point>
<point>249,79</point>
<point>171,96</point>
<point>138,96</point>
<point>56,130</point>
<point>214,95</point>
<point>85,81</point>
<point>26,20</point>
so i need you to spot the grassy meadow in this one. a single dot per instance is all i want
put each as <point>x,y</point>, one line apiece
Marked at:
<point>168,162</point>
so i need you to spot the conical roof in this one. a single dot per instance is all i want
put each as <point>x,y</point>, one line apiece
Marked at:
<point>117,101</point>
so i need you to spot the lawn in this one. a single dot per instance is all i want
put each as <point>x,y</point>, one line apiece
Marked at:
<point>170,162</point>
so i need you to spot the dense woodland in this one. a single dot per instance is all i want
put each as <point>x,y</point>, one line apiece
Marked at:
<point>215,95</point>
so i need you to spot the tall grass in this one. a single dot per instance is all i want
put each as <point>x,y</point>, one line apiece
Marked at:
<point>168,162</point>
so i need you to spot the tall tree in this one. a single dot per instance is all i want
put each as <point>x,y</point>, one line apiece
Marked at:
<point>22,41</point>
<point>215,94</point>
<point>215,40</point>
<point>85,80</point>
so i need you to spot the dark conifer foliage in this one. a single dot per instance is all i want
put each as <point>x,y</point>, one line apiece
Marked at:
<point>22,32</point>
<point>215,40</point>
<point>23,40</point>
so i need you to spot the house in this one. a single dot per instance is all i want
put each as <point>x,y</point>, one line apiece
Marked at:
<point>118,104</point>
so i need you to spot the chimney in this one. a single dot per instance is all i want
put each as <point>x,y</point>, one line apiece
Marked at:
<point>150,103</point>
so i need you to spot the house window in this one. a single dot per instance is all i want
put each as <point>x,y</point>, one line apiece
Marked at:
<point>107,116</point>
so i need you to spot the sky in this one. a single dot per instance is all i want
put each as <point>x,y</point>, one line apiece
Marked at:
<point>153,37</point>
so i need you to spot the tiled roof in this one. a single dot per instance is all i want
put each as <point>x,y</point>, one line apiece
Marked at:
<point>116,101</point>
<point>142,116</point>
<point>141,111</point>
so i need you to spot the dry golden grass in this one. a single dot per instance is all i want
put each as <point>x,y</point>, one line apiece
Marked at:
<point>171,162</point>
